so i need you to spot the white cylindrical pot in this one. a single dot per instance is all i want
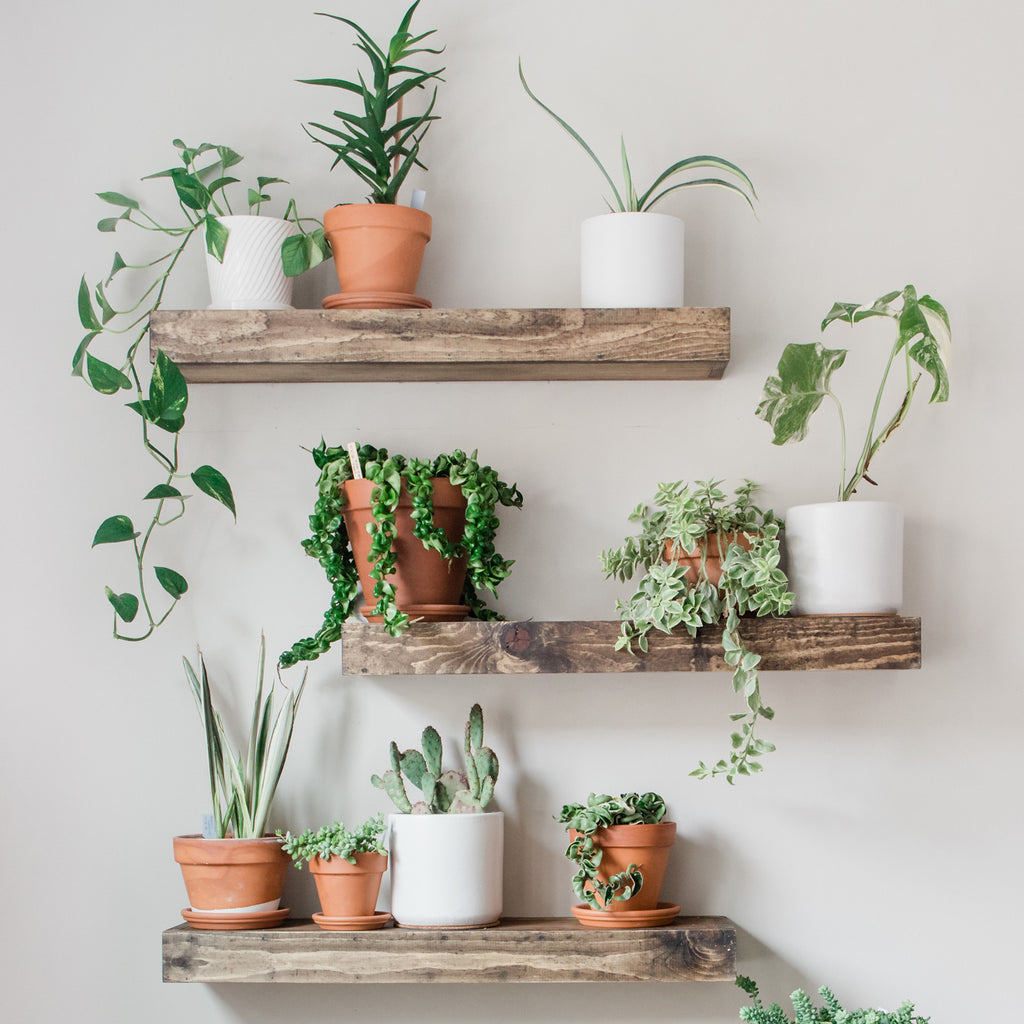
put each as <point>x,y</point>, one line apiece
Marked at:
<point>446,869</point>
<point>251,276</point>
<point>631,259</point>
<point>845,557</point>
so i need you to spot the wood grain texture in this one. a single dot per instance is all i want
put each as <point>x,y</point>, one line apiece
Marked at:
<point>444,344</point>
<point>519,949</point>
<point>813,642</point>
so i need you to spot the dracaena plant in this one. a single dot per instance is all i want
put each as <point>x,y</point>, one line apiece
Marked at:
<point>672,594</point>
<point>601,811</point>
<point>329,544</point>
<point>628,200</point>
<point>830,1012</point>
<point>803,379</point>
<point>334,841</point>
<point>378,144</point>
<point>445,791</point>
<point>242,788</point>
<point>116,314</point>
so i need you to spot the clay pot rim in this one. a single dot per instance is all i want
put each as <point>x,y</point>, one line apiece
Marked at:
<point>371,863</point>
<point>637,834</point>
<point>454,499</point>
<point>346,216</point>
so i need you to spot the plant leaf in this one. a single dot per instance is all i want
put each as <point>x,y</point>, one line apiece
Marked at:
<point>116,199</point>
<point>104,378</point>
<point>790,399</point>
<point>126,605</point>
<point>216,237</point>
<point>114,530</point>
<point>86,313</point>
<point>191,191</point>
<point>163,491</point>
<point>212,482</point>
<point>174,583</point>
<point>168,391</point>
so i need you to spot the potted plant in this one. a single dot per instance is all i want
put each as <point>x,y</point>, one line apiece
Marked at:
<point>378,246</point>
<point>631,256</point>
<point>831,1012</point>
<point>620,846</point>
<point>347,866</point>
<point>847,556</point>
<point>160,406</point>
<point>234,872</point>
<point>446,848</point>
<point>706,559</point>
<point>417,535</point>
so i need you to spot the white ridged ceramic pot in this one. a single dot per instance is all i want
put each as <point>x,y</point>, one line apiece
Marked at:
<point>251,276</point>
<point>845,557</point>
<point>631,259</point>
<point>446,869</point>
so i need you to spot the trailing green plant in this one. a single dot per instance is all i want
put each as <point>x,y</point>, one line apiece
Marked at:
<point>329,543</point>
<point>670,595</point>
<point>334,841</point>
<point>445,791</point>
<point>602,811</point>
<point>831,1012</point>
<point>242,790</point>
<point>804,375</point>
<point>200,185</point>
<point>381,148</point>
<point>628,200</point>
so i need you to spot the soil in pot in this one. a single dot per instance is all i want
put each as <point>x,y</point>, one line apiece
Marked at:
<point>427,586</point>
<point>713,560</point>
<point>349,890</point>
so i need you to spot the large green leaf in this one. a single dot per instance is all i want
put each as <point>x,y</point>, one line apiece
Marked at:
<point>78,362</point>
<point>173,582</point>
<point>930,350</point>
<point>85,311</point>
<point>126,605</point>
<point>216,237</point>
<point>168,392</point>
<point>114,530</point>
<point>791,398</point>
<point>212,482</point>
<point>116,199</point>
<point>104,378</point>
<point>191,191</point>
<point>162,491</point>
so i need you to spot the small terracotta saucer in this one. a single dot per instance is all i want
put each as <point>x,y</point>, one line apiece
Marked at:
<point>212,922</point>
<point>375,300</point>
<point>424,613</point>
<point>376,920</point>
<point>663,913</point>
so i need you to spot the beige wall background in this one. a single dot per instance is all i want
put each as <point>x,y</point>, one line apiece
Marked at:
<point>880,852</point>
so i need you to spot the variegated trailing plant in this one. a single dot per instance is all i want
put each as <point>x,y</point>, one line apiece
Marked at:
<point>803,379</point>
<point>670,594</point>
<point>444,791</point>
<point>628,200</point>
<point>200,185</point>
<point>242,789</point>
<point>830,1012</point>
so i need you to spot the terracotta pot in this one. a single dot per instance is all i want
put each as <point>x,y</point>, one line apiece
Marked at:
<point>349,890</point>
<point>427,586</point>
<point>378,247</point>
<point>713,561</point>
<point>239,875</point>
<point>647,846</point>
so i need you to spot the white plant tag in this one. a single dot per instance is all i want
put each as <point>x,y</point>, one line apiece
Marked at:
<point>209,832</point>
<point>353,458</point>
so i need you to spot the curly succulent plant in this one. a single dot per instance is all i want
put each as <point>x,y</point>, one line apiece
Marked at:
<point>830,1013</point>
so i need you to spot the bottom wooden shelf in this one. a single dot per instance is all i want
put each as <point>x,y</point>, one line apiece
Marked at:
<point>528,949</point>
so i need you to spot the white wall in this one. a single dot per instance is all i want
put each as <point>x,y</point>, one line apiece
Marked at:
<point>880,851</point>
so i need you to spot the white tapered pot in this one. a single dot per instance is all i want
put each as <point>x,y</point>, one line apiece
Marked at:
<point>845,557</point>
<point>631,259</point>
<point>251,275</point>
<point>446,869</point>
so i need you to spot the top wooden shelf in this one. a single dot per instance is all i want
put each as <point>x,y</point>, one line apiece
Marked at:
<point>227,346</point>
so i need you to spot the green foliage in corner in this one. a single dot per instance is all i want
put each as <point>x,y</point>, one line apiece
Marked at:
<point>831,1012</point>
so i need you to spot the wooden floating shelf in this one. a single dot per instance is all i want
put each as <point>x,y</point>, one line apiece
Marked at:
<point>519,949</point>
<point>225,346</point>
<point>814,642</point>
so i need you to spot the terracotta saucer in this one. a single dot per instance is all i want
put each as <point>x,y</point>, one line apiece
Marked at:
<point>424,612</point>
<point>375,300</point>
<point>663,913</point>
<point>376,920</point>
<point>212,922</point>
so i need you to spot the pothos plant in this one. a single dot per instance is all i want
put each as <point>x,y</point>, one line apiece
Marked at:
<point>803,379</point>
<point>628,200</point>
<point>334,840</point>
<point>831,1012</point>
<point>601,811</point>
<point>329,543</point>
<point>200,186</point>
<point>672,594</point>
<point>380,153</point>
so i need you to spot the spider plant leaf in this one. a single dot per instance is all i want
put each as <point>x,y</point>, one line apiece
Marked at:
<point>631,199</point>
<point>717,182</point>
<point>254,723</point>
<point>791,397</point>
<point>693,163</point>
<point>575,135</point>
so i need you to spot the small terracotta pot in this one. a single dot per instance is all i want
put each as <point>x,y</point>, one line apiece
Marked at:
<point>349,890</point>
<point>232,874</point>
<point>647,846</point>
<point>378,247</point>
<point>427,586</point>
<point>713,561</point>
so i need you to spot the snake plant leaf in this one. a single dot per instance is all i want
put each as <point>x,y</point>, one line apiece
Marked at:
<point>173,582</point>
<point>126,605</point>
<point>163,491</point>
<point>104,378</point>
<point>212,482</point>
<point>113,530</point>
<point>217,236</point>
<point>791,398</point>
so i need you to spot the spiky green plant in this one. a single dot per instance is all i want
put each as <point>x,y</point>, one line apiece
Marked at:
<point>242,791</point>
<point>831,1012</point>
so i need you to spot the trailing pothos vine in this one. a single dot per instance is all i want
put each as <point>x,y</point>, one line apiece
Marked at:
<point>202,198</point>
<point>329,543</point>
